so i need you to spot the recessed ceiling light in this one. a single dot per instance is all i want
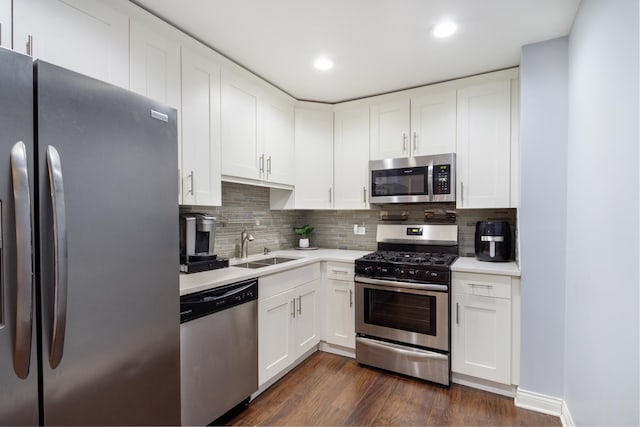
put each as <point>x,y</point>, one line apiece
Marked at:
<point>323,64</point>
<point>444,29</point>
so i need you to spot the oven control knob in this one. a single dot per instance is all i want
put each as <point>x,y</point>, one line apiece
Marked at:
<point>398,272</point>
<point>378,270</point>
<point>368,269</point>
<point>422,274</point>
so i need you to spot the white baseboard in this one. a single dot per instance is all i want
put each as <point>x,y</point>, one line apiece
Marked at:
<point>539,402</point>
<point>481,384</point>
<point>567,420</point>
<point>337,349</point>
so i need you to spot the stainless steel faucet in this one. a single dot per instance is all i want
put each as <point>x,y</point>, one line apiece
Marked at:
<point>245,238</point>
<point>266,250</point>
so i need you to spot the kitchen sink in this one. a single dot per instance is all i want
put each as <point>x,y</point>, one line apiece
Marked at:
<point>264,262</point>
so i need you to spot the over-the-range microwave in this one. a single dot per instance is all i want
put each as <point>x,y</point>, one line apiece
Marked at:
<point>417,179</point>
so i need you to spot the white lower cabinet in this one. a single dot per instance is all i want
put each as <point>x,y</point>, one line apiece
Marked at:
<point>482,343</point>
<point>288,318</point>
<point>339,307</point>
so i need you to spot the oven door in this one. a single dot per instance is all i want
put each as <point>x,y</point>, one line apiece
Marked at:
<point>410,313</point>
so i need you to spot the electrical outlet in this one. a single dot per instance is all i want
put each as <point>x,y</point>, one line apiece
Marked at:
<point>361,230</point>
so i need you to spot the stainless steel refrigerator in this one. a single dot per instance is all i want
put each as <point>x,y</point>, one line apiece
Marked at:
<point>89,298</point>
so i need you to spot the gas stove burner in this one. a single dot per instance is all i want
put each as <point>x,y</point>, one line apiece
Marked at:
<point>411,258</point>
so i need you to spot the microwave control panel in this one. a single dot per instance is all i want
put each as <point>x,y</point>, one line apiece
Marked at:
<point>441,179</point>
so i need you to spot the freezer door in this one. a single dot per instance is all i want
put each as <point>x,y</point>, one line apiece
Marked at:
<point>18,355</point>
<point>108,240</point>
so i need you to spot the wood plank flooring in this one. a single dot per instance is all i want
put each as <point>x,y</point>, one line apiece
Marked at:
<point>330,390</point>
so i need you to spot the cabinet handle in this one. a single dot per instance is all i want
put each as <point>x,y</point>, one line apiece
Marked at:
<point>364,195</point>
<point>330,197</point>
<point>30,45</point>
<point>404,142</point>
<point>0,34</point>
<point>191,187</point>
<point>457,313</point>
<point>480,285</point>
<point>350,298</point>
<point>261,167</point>
<point>415,143</point>
<point>269,166</point>
<point>293,308</point>
<point>300,305</point>
<point>461,194</point>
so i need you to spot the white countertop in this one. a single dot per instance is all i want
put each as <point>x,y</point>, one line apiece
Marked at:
<point>195,282</point>
<point>472,265</point>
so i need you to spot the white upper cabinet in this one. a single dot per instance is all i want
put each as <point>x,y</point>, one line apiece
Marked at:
<point>433,123</point>
<point>351,160</point>
<point>241,148</point>
<point>257,133</point>
<point>278,139</point>
<point>314,158</point>
<point>419,124</point>
<point>155,64</point>
<point>87,36</point>
<point>484,145</point>
<point>5,23</point>
<point>200,130</point>
<point>390,130</point>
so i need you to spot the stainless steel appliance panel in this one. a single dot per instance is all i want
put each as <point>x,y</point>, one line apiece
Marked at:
<point>113,356</point>
<point>219,362</point>
<point>18,395</point>
<point>412,361</point>
<point>437,300</point>
<point>419,179</point>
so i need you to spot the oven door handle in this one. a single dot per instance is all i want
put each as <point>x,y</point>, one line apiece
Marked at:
<point>389,283</point>
<point>414,352</point>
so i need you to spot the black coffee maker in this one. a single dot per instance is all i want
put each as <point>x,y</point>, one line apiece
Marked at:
<point>493,241</point>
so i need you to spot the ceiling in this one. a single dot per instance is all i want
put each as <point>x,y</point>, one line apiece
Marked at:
<point>377,46</point>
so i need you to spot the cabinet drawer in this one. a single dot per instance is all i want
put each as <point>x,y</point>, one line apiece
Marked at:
<point>273,284</point>
<point>486,285</point>
<point>340,271</point>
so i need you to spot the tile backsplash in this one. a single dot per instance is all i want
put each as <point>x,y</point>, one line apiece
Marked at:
<point>246,206</point>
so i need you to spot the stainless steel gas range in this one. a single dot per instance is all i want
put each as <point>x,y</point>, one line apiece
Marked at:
<point>402,301</point>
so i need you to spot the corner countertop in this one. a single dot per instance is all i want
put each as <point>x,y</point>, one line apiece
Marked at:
<point>472,265</point>
<point>195,282</point>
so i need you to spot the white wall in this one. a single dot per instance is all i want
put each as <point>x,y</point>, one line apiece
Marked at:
<point>602,322</point>
<point>542,221</point>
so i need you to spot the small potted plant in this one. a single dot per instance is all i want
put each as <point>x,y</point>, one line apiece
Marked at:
<point>303,232</point>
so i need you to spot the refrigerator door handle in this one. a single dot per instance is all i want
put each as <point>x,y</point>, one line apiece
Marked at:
<point>24,266</point>
<point>60,256</point>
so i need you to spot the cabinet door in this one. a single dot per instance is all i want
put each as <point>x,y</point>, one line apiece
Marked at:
<point>351,159</point>
<point>279,149</point>
<point>314,159</point>
<point>481,337</point>
<point>241,149</point>
<point>200,131</point>
<point>433,124</point>
<point>484,145</point>
<point>307,333</point>
<point>155,65</point>
<point>275,334</point>
<point>86,36</point>
<point>340,314</point>
<point>5,23</point>
<point>390,130</point>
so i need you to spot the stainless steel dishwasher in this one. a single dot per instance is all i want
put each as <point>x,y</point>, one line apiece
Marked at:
<point>218,350</point>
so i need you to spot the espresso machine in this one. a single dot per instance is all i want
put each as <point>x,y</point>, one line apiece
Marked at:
<point>197,243</point>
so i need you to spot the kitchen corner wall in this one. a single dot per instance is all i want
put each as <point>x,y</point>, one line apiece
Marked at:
<point>246,206</point>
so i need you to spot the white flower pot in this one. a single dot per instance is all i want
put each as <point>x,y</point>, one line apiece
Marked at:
<point>303,243</point>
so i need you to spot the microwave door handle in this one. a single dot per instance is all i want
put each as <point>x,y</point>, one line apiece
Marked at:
<point>56,186</point>
<point>24,266</point>
<point>430,181</point>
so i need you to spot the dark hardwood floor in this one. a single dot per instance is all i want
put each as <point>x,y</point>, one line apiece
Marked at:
<point>330,390</point>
